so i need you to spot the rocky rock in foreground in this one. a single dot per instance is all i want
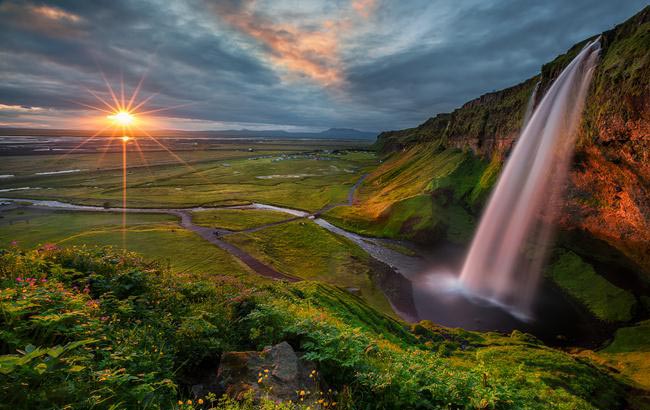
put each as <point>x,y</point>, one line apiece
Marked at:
<point>276,373</point>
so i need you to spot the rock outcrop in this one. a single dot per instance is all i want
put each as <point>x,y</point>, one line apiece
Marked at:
<point>608,196</point>
<point>277,373</point>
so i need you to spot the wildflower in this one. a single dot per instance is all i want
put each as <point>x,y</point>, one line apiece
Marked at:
<point>302,392</point>
<point>180,402</point>
<point>19,279</point>
<point>189,402</point>
<point>266,370</point>
<point>259,381</point>
<point>200,401</point>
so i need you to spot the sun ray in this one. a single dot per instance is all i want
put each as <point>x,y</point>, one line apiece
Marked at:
<point>135,93</point>
<point>142,156</point>
<point>122,91</point>
<point>99,98</point>
<point>90,106</point>
<point>108,146</point>
<point>84,142</point>
<point>165,108</point>
<point>142,103</point>
<point>163,146</point>
<point>110,90</point>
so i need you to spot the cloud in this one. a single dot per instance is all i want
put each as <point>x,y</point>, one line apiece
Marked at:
<point>363,64</point>
<point>364,7</point>
<point>311,52</point>
<point>50,20</point>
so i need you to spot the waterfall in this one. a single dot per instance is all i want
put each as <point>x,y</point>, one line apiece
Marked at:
<point>531,105</point>
<point>506,256</point>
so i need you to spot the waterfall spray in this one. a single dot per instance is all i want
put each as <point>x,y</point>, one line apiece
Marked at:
<point>505,259</point>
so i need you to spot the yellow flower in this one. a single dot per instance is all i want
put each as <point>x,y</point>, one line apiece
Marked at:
<point>259,380</point>
<point>266,370</point>
<point>189,402</point>
<point>200,401</point>
<point>180,402</point>
<point>302,392</point>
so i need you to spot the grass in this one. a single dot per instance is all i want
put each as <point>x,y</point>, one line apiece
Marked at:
<point>604,300</point>
<point>425,194</point>
<point>131,333</point>
<point>304,249</point>
<point>237,219</point>
<point>628,353</point>
<point>156,236</point>
<point>304,181</point>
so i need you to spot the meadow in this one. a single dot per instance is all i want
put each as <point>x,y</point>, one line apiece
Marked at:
<point>308,177</point>
<point>118,282</point>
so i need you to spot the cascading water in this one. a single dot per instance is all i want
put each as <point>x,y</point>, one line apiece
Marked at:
<point>505,259</point>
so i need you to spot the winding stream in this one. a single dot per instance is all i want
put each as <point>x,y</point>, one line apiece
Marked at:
<point>402,278</point>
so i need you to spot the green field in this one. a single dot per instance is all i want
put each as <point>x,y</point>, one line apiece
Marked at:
<point>156,236</point>
<point>305,181</point>
<point>304,249</point>
<point>237,219</point>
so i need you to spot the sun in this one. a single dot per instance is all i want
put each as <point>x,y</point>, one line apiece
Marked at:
<point>123,118</point>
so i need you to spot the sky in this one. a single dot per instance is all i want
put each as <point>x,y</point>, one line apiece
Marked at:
<point>296,65</point>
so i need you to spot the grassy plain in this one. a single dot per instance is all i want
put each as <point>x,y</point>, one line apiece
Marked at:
<point>306,181</point>
<point>304,249</point>
<point>156,236</point>
<point>237,219</point>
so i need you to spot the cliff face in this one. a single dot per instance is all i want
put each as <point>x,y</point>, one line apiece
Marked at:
<point>608,196</point>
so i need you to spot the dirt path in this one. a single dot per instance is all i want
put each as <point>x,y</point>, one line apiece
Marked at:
<point>397,262</point>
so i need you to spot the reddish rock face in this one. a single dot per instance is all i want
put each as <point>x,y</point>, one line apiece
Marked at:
<point>608,193</point>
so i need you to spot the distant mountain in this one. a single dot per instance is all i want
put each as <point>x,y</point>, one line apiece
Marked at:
<point>332,133</point>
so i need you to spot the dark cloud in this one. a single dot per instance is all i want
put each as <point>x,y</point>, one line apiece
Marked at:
<point>367,64</point>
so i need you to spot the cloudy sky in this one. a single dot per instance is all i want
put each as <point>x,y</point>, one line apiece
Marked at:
<point>271,64</point>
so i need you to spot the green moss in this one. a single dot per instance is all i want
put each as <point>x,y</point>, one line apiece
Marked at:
<point>604,300</point>
<point>629,352</point>
<point>631,339</point>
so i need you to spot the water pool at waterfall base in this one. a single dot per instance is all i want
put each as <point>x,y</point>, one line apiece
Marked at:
<point>554,318</point>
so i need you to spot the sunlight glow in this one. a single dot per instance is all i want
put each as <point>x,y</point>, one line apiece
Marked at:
<point>123,118</point>
<point>125,138</point>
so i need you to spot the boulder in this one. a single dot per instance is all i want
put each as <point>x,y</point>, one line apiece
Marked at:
<point>277,373</point>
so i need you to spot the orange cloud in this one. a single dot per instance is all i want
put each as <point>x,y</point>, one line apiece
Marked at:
<point>311,51</point>
<point>48,20</point>
<point>54,13</point>
<point>364,7</point>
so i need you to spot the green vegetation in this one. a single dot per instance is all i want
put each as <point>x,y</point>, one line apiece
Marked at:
<point>305,250</point>
<point>604,300</point>
<point>307,181</point>
<point>156,236</point>
<point>420,195</point>
<point>95,328</point>
<point>629,354</point>
<point>237,219</point>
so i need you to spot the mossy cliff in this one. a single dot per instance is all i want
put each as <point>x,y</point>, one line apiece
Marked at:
<point>608,198</point>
